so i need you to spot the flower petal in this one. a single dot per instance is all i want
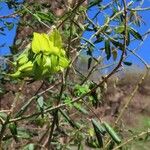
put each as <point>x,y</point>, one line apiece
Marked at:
<point>41,43</point>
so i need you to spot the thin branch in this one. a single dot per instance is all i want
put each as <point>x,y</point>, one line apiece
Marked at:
<point>71,13</point>
<point>55,114</point>
<point>10,113</point>
<point>124,46</point>
<point>139,9</point>
<point>132,138</point>
<point>140,58</point>
<point>13,15</point>
<point>23,108</point>
<point>131,97</point>
<point>37,17</point>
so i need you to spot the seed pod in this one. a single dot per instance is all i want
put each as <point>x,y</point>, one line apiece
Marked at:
<point>99,131</point>
<point>98,126</point>
<point>112,133</point>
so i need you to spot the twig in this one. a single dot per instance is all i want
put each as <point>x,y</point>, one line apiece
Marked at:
<point>23,108</point>
<point>10,113</point>
<point>72,12</point>
<point>132,138</point>
<point>55,114</point>
<point>124,45</point>
<point>140,58</point>
<point>139,9</point>
<point>37,17</point>
<point>131,97</point>
<point>91,110</point>
<point>13,15</point>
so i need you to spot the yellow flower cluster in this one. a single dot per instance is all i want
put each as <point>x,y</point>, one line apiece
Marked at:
<point>45,57</point>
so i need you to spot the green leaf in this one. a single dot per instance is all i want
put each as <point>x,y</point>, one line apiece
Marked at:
<point>63,62</point>
<point>79,90</point>
<point>89,52</point>
<point>99,138</point>
<point>119,29</point>
<point>3,115</point>
<point>54,61</point>
<point>107,49</point>
<point>17,74</point>
<point>80,108</point>
<point>94,2</point>
<point>89,62</point>
<point>27,67</point>
<point>116,43</point>
<point>112,133</point>
<point>98,40</point>
<point>89,29</point>
<point>46,44</point>
<point>56,39</point>
<point>40,101</point>
<point>111,145</point>
<point>40,120</point>
<point>13,130</point>
<point>18,41</point>
<point>68,101</point>
<point>49,17</point>
<point>81,26</point>
<point>39,59</point>
<point>127,63</point>
<point>89,42</point>
<point>48,61</point>
<point>135,34</point>
<point>92,143</point>
<point>9,25</point>
<point>37,70</point>
<point>24,134</point>
<point>22,59</point>
<point>115,54</point>
<point>41,43</point>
